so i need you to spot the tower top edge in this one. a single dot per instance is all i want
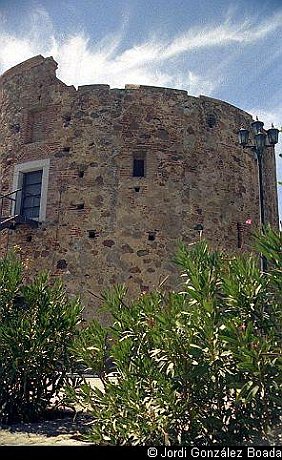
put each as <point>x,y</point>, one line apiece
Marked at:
<point>52,65</point>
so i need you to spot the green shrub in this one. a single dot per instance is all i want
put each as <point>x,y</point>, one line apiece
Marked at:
<point>38,324</point>
<point>199,366</point>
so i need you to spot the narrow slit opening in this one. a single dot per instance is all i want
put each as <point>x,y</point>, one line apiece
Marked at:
<point>151,236</point>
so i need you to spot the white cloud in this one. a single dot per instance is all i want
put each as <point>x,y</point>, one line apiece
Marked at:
<point>37,36</point>
<point>195,83</point>
<point>14,50</point>
<point>151,62</point>
<point>222,35</point>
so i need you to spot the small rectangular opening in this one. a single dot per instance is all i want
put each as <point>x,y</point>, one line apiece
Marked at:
<point>138,167</point>
<point>137,189</point>
<point>67,120</point>
<point>92,234</point>
<point>62,264</point>
<point>151,236</point>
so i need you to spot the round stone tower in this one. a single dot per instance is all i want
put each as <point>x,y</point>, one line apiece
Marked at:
<point>99,185</point>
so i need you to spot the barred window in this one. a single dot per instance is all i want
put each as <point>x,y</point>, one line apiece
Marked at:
<point>31,194</point>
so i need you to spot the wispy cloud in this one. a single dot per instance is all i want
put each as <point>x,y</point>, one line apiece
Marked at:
<point>151,62</point>
<point>222,35</point>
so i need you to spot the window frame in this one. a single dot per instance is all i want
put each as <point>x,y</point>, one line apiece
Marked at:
<point>19,171</point>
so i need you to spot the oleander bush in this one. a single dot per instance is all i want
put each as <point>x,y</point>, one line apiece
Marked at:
<point>38,324</point>
<point>199,366</point>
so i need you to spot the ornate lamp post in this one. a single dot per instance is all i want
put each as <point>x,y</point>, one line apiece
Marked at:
<point>262,140</point>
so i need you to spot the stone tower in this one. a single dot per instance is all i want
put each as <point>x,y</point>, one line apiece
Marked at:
<point>100,184</point>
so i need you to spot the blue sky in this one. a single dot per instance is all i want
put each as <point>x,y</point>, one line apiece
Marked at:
<point>230,50</point>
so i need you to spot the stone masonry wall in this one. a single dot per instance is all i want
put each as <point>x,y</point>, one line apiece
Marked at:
<point>103,226</point>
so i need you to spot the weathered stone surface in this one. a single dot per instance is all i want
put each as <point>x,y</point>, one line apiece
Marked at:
<point>108,243</point>
<point>195,173</point>
<point>135,270</point>
<point>126,248</point>
<point>142,252</point>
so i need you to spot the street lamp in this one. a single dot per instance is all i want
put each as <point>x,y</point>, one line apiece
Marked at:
<point>262,139</point>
